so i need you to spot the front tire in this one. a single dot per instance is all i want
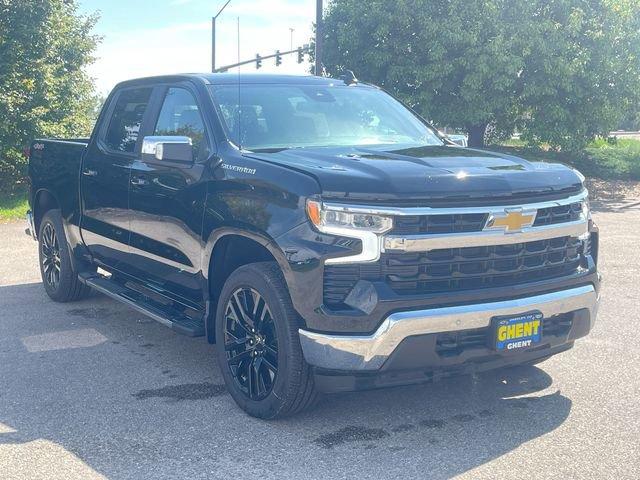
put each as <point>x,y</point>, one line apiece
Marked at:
<point>59,278</point>
<point>258,347</point>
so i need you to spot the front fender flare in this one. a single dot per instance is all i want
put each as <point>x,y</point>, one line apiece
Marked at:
<point>268,243</point>
<point>263,239</point>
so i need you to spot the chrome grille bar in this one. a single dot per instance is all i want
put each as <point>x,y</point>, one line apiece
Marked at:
<point>375,244</point>
<point>486,238</point>
<point>403,211</point>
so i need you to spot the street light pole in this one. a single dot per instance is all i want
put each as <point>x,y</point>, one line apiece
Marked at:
<point>213,44</point>
<point>319,35</point>
<point>213,36</point>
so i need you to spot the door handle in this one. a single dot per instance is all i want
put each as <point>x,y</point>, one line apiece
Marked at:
<point>90,173</point>
<point>139,182</point>
<point>164,185</point>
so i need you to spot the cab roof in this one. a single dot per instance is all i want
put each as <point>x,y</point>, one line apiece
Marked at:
<point>234,79</point>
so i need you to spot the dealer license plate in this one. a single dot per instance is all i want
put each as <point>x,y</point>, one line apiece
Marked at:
<point>513,333</point>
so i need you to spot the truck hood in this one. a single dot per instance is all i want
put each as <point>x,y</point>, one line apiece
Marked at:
<point>429,172</point>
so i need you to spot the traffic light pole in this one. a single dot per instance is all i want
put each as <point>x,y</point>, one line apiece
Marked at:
<point>301,51</point>
<point>319,37</point>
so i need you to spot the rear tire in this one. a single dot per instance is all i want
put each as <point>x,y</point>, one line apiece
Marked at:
<point>59,278</point>
<point>262,361</point>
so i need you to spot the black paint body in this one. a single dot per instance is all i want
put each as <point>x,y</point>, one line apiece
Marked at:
<point>159,225</point>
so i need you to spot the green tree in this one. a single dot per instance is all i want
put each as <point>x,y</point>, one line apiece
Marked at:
<point>45,46</point>
<point>562,71</point>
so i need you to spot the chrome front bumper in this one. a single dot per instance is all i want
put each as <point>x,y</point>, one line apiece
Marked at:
<point>369,352</point>
<point>31,229</point>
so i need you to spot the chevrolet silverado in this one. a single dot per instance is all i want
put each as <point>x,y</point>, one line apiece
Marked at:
<point>322,234</point>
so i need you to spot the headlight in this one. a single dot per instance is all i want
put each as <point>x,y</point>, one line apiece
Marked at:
<point>327,218</point>
<point>586,209</point>
<point>586,215</point>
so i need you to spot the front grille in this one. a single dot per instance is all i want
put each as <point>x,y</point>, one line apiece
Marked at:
<point>457,269</point>
<point>475,222</point>
<point>559,214</point>
<point>591,246</point>
<point>434,224</point>
<point>451,344</point>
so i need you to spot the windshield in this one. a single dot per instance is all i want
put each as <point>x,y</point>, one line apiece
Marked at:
<point>290,116</point>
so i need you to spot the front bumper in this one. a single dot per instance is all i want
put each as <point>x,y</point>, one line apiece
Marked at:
<point>370,353</point>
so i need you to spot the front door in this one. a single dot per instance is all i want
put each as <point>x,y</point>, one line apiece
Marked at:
<point>105,176</point>
<point>166,202</point>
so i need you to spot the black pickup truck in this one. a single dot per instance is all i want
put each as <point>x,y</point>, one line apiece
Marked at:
<point>319,232</point>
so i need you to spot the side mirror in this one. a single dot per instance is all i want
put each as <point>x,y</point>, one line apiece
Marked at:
<point>459,139</point>
<point>175,149</point>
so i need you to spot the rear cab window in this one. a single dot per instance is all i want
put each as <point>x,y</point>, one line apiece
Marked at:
<point>126,117</point>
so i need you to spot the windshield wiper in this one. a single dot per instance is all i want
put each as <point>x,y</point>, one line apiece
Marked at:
<point>269,150</point>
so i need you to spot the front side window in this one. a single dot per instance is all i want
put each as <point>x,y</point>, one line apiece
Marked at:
<point>124,126</point>
<point>265,116</point>
<point>180,116</point>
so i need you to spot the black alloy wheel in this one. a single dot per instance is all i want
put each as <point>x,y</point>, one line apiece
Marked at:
<point>51,262</point>
<point>59,277</point>
<point>251,343</point>
<point>258,343</point>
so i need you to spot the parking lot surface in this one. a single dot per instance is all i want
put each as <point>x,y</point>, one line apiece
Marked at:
<point>96,390</point>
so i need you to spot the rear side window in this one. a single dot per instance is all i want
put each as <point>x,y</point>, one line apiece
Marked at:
<point>124,126</point>
<point>180,116</point>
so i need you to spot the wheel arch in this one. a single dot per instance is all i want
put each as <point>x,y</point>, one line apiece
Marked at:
<point>43,201</point>
<point>227,251</point>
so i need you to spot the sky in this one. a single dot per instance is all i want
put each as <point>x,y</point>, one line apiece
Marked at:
<point>146,37</point>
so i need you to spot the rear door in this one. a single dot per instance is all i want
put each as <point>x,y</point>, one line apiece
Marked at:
<point>105,176</point>
<point>166,201</point>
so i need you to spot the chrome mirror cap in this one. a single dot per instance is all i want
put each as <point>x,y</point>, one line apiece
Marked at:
<point>171,148</point>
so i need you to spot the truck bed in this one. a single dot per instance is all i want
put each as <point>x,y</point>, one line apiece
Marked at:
<point>55,165</point>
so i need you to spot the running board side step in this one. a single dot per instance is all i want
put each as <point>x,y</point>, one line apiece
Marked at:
<point>171,317</point>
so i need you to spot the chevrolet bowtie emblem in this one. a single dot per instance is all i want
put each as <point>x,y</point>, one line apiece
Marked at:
<point>510,221</point>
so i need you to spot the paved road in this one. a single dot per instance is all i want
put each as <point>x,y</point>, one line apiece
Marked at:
<point>94,389</point>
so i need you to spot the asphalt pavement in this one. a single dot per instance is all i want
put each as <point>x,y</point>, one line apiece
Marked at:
<point>94,389</point>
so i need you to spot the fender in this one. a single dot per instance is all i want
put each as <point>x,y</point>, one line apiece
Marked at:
<point>207,254</point>
<point>35,202</point>
<point>259,237</point>
<point>77,251</point>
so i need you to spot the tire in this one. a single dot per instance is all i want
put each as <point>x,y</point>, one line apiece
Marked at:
<point>247,361</point>
<point>59,278</point>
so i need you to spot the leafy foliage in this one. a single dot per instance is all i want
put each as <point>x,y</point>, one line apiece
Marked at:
<point>14,205</point>
<point>611,159</point>
<point>562,71</point>
<point>44,90</point>
<point>619,159</point>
